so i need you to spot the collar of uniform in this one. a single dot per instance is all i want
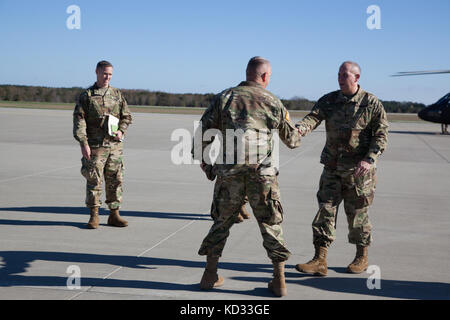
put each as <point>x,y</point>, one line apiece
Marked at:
<point>249,84</point>
<point>356,98</point>
<point>99,91</point>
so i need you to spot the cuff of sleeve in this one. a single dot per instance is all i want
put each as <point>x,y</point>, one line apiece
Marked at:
<point>301,129</point>
<point>123,129</point>
<point>83,142</point>
<point>372,155</point>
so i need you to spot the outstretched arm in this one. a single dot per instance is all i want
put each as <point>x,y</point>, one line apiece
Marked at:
<point>311,121</point>
<point>289,134</point>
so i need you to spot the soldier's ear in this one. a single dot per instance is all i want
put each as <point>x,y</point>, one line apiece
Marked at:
<point>357,76</point>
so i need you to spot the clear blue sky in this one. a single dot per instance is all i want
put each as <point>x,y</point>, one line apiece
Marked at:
<point>204,46</point>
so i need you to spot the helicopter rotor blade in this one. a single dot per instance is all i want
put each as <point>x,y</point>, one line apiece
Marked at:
<point>417,73</point>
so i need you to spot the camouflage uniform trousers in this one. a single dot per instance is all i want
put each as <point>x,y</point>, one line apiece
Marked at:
<point>357,194</point>
<point>105,163</point>
<point>264,198</point>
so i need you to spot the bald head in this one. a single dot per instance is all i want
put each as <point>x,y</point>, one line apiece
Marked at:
<point>351,66</point>
<point>259,70</point>
<point>348,77</point>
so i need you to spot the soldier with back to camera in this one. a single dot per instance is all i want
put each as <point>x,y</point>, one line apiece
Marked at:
<point>250,109</point>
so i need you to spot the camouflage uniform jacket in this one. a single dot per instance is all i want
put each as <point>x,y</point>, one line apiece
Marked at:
<point>251,109</point>
<point>90,115</point>
<point>356,128</point>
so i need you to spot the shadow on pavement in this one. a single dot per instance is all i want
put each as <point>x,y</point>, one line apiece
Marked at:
<point>388,288</point>
<point>358,285</point>
<point>85,211</point>
<point>437,133</point>
<point>16,263</point>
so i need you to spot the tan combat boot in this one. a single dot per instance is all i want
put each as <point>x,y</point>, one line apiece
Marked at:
<point>94,220</point>
<point>239,218</point>
<point>210,278</point>
<point>115,219</point>
<point>278,284</point>
<point>318,264</point>
<point>361,261</point>
<point>242,214</point>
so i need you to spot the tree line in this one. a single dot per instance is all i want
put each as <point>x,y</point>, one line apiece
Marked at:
<point>158,98</point>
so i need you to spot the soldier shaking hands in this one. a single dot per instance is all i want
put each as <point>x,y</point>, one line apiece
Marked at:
<point>356,134</point>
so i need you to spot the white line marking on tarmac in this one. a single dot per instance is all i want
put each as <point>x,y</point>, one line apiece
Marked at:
<point>71,298</point>
<point>41,173</point>
<point>139,255</point>
<point>147,250</point>
<point>36,174</point>
<point>300,153</point>
<point>166,238</point>
<point>432,148</point>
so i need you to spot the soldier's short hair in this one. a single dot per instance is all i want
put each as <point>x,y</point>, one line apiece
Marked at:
<point>353,64</point>
<point>257,66</point>
<point>103,64</point>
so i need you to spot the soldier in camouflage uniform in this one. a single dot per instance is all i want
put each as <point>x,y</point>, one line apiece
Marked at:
<point>356,135</point>
<point>251,108</point>
<point>102,153</point>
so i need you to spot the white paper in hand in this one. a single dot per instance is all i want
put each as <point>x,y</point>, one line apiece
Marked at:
<point>113,125</point>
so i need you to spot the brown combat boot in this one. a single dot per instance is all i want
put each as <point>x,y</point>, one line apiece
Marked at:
<point>115,219</point>
<point>278,284</point>
<point>239,218</point>
<point>94,220</point>
<point>361,261</point>
<point>210,278</point>
<point>318,264</point>
<point>242,214</point>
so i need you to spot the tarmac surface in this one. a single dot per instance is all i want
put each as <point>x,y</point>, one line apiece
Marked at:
<point>44,243</point>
